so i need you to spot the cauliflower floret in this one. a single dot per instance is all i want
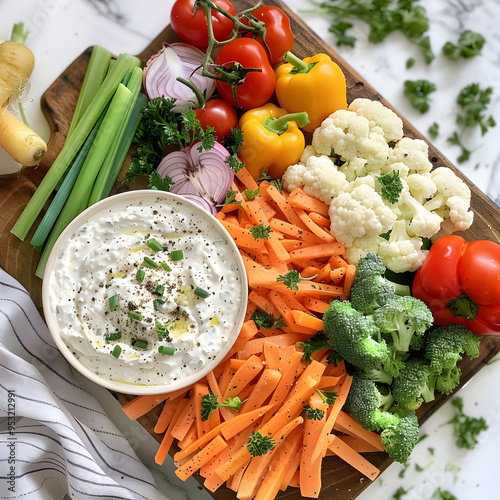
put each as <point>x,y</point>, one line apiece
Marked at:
<point>319,177</point>
<point>452,198</point>
<point>423,222</point>
<point>421,186</point>
<point>414,153</point>
<point>402,169</point>
<point>348,135</point>
<point>308,151</point>
<point>379,116</point>
<point>322,179</point>
<point>361,247</point>
<point>402,253</point>
<point>294,177</point>
<point>358,213</point>
<point>354,169</point>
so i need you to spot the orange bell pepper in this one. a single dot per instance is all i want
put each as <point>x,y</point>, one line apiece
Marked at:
<point>272,140</point>
<point>315,85</point>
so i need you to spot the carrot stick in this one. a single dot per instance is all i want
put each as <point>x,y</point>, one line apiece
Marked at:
<point>263,388</point>
<point>190,436</point>
<point>357,444</point>
<point>262,303</point>
<point>284,206</point>
<point>184,420</point>
<point>307,320</point>
<point>318,231</point>
<point>246,179</point>
<point>243,376</point>
<point>298,198</point>
<point>328,382</point>
<point>318,251</point>
<point>353,458</point>
<point>255,471</point>
<point>355,429</point>
<point>291,244</point>
<point>141,405</point>
<point>342,390</point>
<point>310,470</point>
<point>248,331</point>
<point>292,465</point>
<point>320,220</point>
<point>168,439</point>
<point>166,415</point>
<point>316,305</point>
<point>205,455</point>
<point>306,288</point>
<point>200,389</point>
<point>292,230</point>
<point>348,280</point>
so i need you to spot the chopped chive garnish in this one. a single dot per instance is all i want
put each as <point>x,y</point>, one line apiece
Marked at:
<point>157,303</point>
<point>176,255</point>
<point>201,293</point>
<point>154,245</point>
<point>140,343</point>
<point>140,275</point>
<point>150,262</point>
<point>109,337</point>
<point>165,266</point>
<point>135,315</point>
<point>113,301</point>
<point>160,290</point>
<point>117,351</point>
<point>163,349</point>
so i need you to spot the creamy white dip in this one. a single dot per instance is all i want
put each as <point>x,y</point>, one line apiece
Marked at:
<point>104,306</point>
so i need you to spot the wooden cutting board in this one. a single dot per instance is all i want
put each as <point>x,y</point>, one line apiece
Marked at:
<point>19,258</point>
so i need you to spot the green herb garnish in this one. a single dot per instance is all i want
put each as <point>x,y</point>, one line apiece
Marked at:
<point>267,321</point>
<point>157,303</point>
<point>160,290</point>
<point>434,130</point>
<point>469,45</point>
<point>259,445</point>
<point>391,186</point>
<point>150,262</point>
<point>465,428</point>
<point>260,232</point>
<point>328,396</point>
<point>313,413</point>
<point>154,245</point>
<point>176,255</point>
<point>201,293</point>
<point>135,315</point>
<point>209,404</point>
<point>165,266</point>
<point>110,337</point>
<point>291,279</point>
<point>474,102</point>
<point>166,350</point>
<point>113,301</point>
<point>140,275</point>
<point>314,343</point>
<point>140,343</point>
<point>117,351</point>
<point>162,331</point>
<point>418,92</point>
<point>252,193</point>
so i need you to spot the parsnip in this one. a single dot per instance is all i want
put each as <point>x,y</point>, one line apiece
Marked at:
<point>16,64</point>
<point>21,143</point>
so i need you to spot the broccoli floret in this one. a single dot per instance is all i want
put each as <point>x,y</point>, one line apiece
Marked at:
<point>364,403</point>
<point>370,289</point>
<point>444,348</point>
<point>353,336</point>
<point>400,439</point>
<point>415,384</point>
<point>403,318</point>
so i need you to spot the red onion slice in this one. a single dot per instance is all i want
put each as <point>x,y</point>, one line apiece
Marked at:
<point>202,202</point>
<point>202,174</point>
<point>173,60</point>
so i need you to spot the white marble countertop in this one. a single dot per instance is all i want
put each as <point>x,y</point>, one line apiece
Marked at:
<point>61,29</point>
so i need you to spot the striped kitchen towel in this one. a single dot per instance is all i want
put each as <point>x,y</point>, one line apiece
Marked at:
<point>55,439</point>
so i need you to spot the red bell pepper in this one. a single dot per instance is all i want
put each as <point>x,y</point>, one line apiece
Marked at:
<point>460,283</point>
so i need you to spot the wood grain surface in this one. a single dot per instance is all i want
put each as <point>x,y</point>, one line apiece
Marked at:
<point>18,258</point>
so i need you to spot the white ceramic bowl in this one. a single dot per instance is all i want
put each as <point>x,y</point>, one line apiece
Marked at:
<point>115,204</point>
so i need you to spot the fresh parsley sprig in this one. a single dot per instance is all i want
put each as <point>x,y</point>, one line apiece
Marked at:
<point>267,321</point>
<point>465,428</point>
<point>314,343</point>
<point>313,413</point>
<point>259,445</point>
<point>418,92</point>
<point>292,278</point>
<point>260,232</point>
<point>209,404</point>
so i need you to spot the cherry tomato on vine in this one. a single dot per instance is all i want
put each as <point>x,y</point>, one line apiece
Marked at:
<point>279,37</point>
<point>256,87</point>
<point>193,28</point>
<point>220,115</point>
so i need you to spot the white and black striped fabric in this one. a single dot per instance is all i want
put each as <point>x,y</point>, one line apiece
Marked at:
<point>54,437</point>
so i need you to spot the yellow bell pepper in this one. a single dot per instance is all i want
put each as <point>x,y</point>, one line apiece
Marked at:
<point>315,85</point>
<point>272,140</point>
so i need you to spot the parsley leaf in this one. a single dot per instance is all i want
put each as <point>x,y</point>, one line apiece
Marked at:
<point>339,30</point>
<point>156,181</point>
<point>209,404</point>
<point>260,232</point>
<point>291,279</point>
<point>418,92</point>
<point>434,130</point>
<point>231,198</point>
<point>252,193</point>
<point>314,343</point>
<point>391,186</point>
<point>328,396</point>
<point>465,428</point>
<point>259,445</point>
<point>455,139</point>
<point>469,45</point>
<point>474,101</point>
<point>313,413</point>
<point>267,321</point>
<point>440,494</point>
<point>400,492</point>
